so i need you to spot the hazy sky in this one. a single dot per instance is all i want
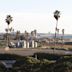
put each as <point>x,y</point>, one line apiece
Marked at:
<point>36,14</point>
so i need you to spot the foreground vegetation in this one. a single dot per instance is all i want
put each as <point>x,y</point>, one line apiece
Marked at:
<point>39,62</point>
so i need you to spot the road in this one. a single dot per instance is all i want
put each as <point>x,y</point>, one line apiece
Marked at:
<point>31,51</point>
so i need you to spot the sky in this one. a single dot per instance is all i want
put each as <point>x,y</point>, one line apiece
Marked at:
<point>36,14</point>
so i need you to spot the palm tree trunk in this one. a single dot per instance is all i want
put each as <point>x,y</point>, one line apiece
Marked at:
<point>8,37</point>
<point>56,32</point>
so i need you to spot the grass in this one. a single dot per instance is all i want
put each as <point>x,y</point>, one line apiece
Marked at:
<point>43,63</point>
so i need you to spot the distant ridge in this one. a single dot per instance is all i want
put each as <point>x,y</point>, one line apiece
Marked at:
<point>66,36</point>
<point>46,35</point>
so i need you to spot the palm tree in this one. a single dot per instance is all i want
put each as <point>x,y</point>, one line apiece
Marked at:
<point>26,35</point>
<point>18,35</point>
<point>62,36</point>
<point>56,16</point>
<point>34,36</point>
<point>8,21</point>
<point>35,32</point>
<point>6,33</point>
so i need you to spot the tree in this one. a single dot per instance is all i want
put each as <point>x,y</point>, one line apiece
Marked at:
<point>62,37</point>
<point>56,16</point>
<point>26,35</point>
<point>18,35</point>
<point>33,34</point>
<point>8,21</point>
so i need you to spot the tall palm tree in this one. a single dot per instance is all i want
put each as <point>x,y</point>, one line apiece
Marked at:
<point>8,21</point>
<point>5,36</point>
<point>56,16</point>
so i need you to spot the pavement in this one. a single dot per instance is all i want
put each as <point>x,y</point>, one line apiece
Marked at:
<point>31,51</point>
